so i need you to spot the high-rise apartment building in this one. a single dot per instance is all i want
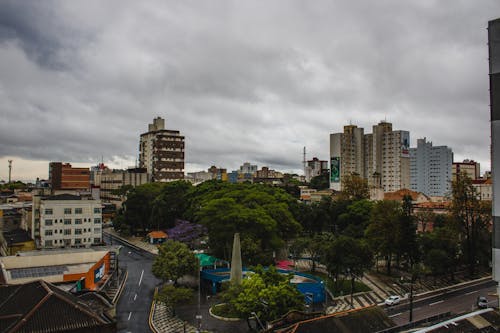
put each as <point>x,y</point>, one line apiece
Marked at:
<point>494,62</point>
<point>62,177</point>
<point>346,155</point>
<point>161,152</point>
<point>430,169</point>
<point>396,161</point>
<point>381,157</point>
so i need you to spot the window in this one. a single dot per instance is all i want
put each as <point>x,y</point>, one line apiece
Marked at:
<point>78,211</point>
<point>78,231</point>
<point>97,230</point>
<point>97,221</point>
<point>67,231</point>
<point>78,221</point>
<point>48,222</point>
<point>48,232</point>
<point>78,241</point>
<point>48,211</point>
<point>55,231</point>
<point>97,210</point>
<point>48,243</point>
<point>68,221</point>
<point>97,240</point>
<point>67,210</point>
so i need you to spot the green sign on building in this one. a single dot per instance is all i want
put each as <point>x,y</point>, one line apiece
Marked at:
<point>335,169</point>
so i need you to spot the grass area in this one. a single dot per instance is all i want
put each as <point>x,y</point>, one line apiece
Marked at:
<point>224,310</point>
<point>342,287</point>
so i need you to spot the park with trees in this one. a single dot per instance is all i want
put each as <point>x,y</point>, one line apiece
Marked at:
<point>347,235</point>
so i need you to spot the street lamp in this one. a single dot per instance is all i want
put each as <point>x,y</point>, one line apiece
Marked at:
<point>258,320</point>
<point>198,314</point>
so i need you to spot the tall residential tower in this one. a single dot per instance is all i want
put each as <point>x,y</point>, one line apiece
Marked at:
<point>430,169</point>
<point>161,152</point>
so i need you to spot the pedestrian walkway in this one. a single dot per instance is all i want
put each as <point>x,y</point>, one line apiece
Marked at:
<point>163,320</point>
<point>136,241</point>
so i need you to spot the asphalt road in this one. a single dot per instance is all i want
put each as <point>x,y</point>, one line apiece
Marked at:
<point>134,305</point>
<point>455,302</point>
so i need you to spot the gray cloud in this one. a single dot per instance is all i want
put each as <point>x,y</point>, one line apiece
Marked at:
<point>243,81</point>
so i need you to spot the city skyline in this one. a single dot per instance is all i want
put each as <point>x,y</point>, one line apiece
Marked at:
<point>242,81</point>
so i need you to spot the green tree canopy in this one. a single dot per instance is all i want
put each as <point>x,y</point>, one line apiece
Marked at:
<point>267,293</point>
<point>321,182</point>
<point>172,296</point>
<point>260,213</point>
<point>382,231</point>
<point>473,216</point>
<point>173,261</point>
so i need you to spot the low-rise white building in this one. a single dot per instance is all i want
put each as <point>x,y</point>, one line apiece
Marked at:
<point>66,220</point>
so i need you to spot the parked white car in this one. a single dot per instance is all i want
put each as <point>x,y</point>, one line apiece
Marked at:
<point>392,300</point>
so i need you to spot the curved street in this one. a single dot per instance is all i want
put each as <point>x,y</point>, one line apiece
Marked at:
<point>134,305</point>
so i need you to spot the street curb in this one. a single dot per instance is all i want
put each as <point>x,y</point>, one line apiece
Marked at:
<point>120,290</point>
<point>222,318</point>
<point>152,326</point>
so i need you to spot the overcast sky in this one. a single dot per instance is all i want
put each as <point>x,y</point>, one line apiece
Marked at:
<point>242,80</point>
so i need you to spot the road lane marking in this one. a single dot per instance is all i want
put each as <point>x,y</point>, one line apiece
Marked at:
<point>472,292</point>
<point>140,280</point>
<point>397,314</point>
<point>436,303</point>
<point>135,297</point>
<point>129,315</point>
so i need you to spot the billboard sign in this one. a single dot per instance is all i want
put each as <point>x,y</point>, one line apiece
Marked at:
<point>99,273</point>
<point>335,170</point>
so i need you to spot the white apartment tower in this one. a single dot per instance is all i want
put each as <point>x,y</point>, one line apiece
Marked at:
<point>161,152</point>
<point>430,169</point>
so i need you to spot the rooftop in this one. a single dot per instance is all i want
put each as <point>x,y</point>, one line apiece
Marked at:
<point>41,307</point>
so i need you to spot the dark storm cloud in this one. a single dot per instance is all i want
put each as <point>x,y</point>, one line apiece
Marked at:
<point>243,81</point>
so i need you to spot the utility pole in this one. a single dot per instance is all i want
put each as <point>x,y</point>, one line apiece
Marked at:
<point>304,161</point>
<point>10,170</point>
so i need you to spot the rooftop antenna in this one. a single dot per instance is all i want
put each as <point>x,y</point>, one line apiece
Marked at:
<point>10,170</point>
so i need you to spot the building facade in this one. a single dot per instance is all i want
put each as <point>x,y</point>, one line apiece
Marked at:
<point>62,177</point>
<point>494,62</point>
<point>470,167</point>
<point>108,181</point>
<point>161,152</point>
<point>346,155</point>
<point>430,169</point>
<point>315,167</point>
<point>66,220</point>
<point>381,157</point>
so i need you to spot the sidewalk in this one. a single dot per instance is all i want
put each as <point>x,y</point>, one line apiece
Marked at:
<point>136,241</point>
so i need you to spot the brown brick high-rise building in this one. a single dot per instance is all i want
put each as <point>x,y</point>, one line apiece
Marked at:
<point>161,152</point>
<point>63,176</point>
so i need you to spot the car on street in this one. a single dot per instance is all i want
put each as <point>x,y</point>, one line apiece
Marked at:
<point>482,302</point>
<point>392,300</point>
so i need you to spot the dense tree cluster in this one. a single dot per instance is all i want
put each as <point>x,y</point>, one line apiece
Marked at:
<point>348,227</point>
